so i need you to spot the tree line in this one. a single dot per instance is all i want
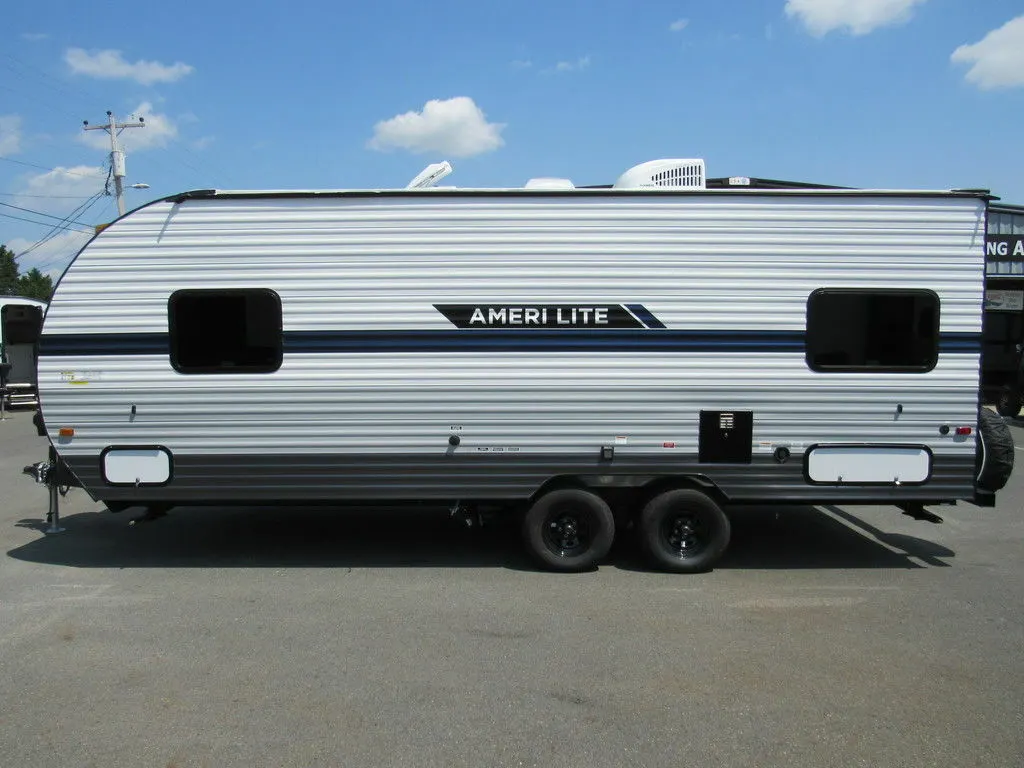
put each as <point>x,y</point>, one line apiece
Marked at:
<point>32,284</point>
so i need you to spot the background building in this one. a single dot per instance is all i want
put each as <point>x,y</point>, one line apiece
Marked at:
<point>1004,298</point>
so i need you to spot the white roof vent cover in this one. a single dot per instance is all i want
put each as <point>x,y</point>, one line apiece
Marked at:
<point>668,174</point>
<point>549,183</point>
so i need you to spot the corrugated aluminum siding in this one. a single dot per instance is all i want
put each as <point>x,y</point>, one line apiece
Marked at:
<point>727,262</point>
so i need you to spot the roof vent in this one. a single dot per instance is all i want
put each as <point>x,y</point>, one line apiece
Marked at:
<point>430,175</point>
<point>663,174</point>
<point>549,183</point>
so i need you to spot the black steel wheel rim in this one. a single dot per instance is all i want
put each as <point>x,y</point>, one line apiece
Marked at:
<point>567,532</point>
<point>684,535</point>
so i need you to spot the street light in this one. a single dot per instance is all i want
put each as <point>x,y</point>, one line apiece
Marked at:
<point>140,186</point>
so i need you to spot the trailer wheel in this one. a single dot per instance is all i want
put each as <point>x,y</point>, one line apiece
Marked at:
<point>683,531</point>
<point>995,449</point>
<point>569,530</point>
<point>1010,402</point>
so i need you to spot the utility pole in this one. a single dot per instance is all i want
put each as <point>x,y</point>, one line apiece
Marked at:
<point>115,128</point>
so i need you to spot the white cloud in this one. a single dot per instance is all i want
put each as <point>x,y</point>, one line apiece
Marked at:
<point>997,60</point>
<point>10,135</point>
<point>857,16</point>
<point>159,130</point>
<point>679,25</point>
<point>522,64</point>
<point>53,256</point>
<point>573,66</point>
<point>111,65</point>
<point>203,142</point>
<point>34,37</point>
<point>49,191</point>
<point>455,127</point>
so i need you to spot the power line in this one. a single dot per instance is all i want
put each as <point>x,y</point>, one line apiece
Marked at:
<point>44,168</point>
<point>40,213</point>
<point>43,223</point>
<point>79,211</point>
<point>58,259</point>
<point>47,264</point>
<point>46,197</point>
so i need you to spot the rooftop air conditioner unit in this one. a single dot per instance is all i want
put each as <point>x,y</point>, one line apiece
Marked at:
<point>667,174</point>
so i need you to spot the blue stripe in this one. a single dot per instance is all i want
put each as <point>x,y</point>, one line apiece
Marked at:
<point>539,340</point>
<point>73,344</point>
<point>960,343</point>
<point>483,340</point>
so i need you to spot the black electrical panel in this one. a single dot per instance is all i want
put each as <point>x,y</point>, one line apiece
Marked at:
<point>726,437</point>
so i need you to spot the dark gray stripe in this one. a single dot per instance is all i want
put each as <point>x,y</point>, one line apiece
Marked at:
<point>338,478</point>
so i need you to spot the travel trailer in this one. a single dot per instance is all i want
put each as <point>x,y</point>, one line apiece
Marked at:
<point>20,322</point>
<point>648,354</point>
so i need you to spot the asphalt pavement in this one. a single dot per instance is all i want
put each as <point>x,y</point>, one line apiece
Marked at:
<point>845,636</point>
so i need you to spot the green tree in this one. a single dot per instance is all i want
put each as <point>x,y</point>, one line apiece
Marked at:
<point>8,272</point>
<point>35,285</point>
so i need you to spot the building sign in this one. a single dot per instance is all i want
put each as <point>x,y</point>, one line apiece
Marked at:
<point>1004,247</point>
<point>1004,301</point>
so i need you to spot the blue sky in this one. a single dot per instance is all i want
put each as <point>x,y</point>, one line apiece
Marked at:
<point>868,93</point>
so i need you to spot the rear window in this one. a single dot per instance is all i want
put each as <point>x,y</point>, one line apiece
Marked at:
<point>872,331</point>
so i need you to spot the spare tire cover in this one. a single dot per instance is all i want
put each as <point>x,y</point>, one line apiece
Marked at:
<point>995,446</point>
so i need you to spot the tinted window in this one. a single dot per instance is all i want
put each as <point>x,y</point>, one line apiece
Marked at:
<point>851,330</point>
<point>225,331</point>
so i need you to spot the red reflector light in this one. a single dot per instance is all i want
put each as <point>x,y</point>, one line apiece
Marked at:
<point>963,430</point>
<point>66,432</point>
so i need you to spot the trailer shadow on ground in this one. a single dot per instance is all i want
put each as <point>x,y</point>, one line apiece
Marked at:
<point>785,537</point>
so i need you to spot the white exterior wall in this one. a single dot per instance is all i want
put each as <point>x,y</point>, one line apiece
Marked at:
<point>716,261</point>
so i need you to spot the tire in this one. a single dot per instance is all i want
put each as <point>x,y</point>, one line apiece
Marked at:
<point>569,530</point>
<point>683,531</point>
<point>1010,402</point>
<point>995,451</point>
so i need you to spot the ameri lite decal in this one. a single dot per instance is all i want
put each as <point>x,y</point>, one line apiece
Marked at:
<point>552,316</point>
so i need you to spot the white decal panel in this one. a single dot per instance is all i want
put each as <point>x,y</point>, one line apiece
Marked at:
<point>869,464</point>
<point>137,466</point>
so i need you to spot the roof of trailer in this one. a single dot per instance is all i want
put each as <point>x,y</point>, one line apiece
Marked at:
<point>206,194</point>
